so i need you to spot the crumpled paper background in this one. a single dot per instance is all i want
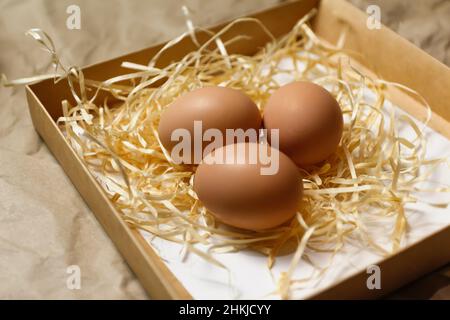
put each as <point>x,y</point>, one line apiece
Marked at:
<point>45,226</point>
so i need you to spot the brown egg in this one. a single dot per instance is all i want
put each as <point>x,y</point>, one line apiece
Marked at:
<point>309,120</point>
<point>216,107</point>
<point>237,192</point>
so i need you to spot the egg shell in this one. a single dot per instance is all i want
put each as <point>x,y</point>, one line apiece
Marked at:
<point>236,192</point>
<point>217,107</point>
<point>309,120</point>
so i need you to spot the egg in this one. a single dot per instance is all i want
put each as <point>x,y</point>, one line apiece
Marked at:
<point>212,108</point>
<point>309,120</point>
<point>240,193</point>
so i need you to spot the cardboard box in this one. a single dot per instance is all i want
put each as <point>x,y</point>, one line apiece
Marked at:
<point>389,56</point>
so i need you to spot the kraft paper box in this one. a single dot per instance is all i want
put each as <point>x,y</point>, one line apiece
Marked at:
<point>382,52</point>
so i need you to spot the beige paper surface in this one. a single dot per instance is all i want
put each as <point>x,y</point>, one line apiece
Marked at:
<point>45,226</point>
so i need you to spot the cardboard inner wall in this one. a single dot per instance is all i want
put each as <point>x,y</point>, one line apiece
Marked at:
<point>389,56</point>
